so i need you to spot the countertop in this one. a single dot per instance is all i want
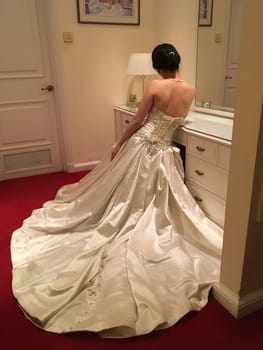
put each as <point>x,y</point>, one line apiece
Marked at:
<point>197,122</point>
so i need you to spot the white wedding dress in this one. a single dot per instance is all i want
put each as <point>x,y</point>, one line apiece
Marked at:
<point>122,252</point>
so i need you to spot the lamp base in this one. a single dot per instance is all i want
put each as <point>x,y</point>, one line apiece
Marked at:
<point>132,100</point>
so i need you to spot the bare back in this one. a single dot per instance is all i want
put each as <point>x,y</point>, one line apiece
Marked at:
<point>173,96</point>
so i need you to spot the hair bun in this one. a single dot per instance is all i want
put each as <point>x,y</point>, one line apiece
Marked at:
<point>165,56</point>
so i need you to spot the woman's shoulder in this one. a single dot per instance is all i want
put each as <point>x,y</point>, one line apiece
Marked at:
<point>162,82</point>
<point>156,84</point>
<point>190,88</point>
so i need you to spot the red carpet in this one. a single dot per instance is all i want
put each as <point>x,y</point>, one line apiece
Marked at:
<point>212,328</point>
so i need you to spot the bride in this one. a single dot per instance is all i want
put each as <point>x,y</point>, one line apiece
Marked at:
<point>126,250</point>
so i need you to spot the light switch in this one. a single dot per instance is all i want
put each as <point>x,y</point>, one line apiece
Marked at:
<point>67,37</point>
<point>218,37</point>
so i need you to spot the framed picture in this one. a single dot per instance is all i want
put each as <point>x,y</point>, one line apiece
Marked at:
<point>109,11</point>
<point>205,12</point>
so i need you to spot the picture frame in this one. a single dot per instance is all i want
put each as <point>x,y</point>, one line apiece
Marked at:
<point>205,13</point>
<point>125,12</point>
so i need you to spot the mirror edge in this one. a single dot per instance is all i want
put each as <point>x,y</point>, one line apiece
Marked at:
<point>214,112</point>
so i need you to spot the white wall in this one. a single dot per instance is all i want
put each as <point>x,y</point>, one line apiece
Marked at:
<point>175,22</point>
<point>92,75</point>
<point>92,69</point>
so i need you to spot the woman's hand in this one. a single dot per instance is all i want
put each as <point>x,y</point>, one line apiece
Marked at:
<point>138,120</point>
<point>115,150</point>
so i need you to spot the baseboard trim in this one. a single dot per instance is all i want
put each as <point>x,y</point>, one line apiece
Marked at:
<point>238,306</point>
<point>228,299</point>
<point>250,303</point>
<point>75,167</point>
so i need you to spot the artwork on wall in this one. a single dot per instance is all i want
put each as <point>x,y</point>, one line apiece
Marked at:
<point>205,12</point>
<point>109,11</point>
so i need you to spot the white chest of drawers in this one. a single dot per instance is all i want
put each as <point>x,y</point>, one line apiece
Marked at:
<point>206,165</point>
<point>122,115</point>
<point>206,174</point>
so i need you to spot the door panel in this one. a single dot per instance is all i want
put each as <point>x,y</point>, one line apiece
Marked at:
<point>28,123</point>
<point>233,53</point>
<point>21,53</point>
<point>22,114</point>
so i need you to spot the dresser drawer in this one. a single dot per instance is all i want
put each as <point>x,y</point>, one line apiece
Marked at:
<point>207,176</point>
<point>213,206</point>
<point>202,148</point>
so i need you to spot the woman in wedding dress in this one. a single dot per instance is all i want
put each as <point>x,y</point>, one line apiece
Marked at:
<point>126,250</point>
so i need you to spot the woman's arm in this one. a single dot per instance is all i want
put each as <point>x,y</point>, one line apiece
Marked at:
<point>137,121</point>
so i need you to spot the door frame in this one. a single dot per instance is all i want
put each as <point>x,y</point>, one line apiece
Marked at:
<point>54,57</point>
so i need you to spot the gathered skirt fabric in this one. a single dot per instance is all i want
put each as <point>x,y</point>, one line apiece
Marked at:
<point>123,252</point>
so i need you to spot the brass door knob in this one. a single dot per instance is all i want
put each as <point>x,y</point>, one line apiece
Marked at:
<point>48,88</point>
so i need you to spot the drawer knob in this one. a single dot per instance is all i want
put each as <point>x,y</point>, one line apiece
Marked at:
<point>200,149</point>
<point>127,121</point>
<point>198,199</point>
<point>199,172</point>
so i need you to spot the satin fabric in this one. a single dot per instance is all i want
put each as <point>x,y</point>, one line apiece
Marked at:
<point>123,252</point>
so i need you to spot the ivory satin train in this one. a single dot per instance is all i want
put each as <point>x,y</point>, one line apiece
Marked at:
<point>124,251</point>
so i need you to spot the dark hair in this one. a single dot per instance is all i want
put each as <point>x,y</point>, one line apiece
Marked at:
<point>165,56</point>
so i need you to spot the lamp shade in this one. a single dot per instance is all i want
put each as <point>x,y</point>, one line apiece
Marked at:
<point>140,64</point>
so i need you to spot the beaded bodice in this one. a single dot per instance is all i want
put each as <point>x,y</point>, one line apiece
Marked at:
<point>159,128</point>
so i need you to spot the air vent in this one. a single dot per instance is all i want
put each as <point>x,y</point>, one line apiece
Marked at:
<point>27,160</point>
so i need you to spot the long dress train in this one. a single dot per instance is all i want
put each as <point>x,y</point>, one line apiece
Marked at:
<point>124,251</point>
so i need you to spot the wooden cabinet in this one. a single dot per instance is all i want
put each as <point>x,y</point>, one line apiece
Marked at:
<point>206,174</point>
<point>206,165</point>
<point>122,115</point>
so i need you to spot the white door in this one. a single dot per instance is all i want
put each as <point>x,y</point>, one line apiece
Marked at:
<point>29,141</point>
<point>233,53</point>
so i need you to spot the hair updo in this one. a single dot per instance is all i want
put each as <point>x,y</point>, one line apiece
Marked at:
<point>165,56</point>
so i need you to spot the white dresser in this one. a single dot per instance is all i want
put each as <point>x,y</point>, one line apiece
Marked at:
<point>123,115</point>
<point>206,174</point>
<point>207,140</point>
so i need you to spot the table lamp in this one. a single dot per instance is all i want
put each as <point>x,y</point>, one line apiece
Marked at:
<point>140,64</point>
